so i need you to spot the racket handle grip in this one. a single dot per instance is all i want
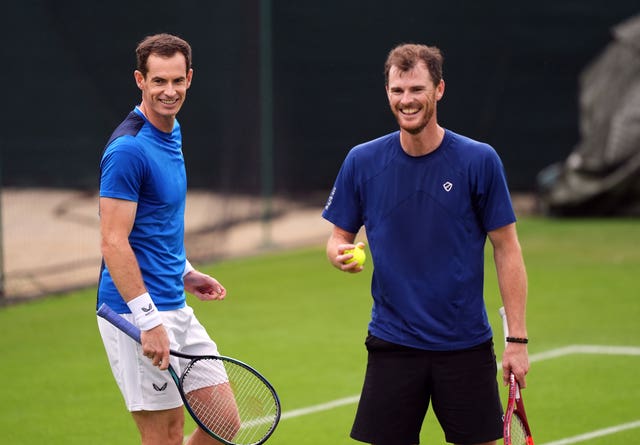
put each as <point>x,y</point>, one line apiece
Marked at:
<point>115,319</point>
<point>505,326</point>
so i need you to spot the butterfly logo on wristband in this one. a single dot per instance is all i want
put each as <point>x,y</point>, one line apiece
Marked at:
<point>147,309</point>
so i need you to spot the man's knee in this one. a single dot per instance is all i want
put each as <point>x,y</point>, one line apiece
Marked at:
<point>160,427</point>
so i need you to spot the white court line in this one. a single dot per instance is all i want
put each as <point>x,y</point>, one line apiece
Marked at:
<point>541,356</point>
<point>598,433</point>
<point>322,407</point>
<point>582,349</point>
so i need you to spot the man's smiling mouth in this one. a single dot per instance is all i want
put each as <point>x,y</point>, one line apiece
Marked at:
<point>409,111</point>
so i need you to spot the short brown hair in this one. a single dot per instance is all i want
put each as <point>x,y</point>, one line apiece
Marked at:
<point>407,55</point>
<point>164,45</point>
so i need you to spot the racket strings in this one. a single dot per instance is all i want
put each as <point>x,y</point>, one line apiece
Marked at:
<point>230,400</point>
<point>518,431</point>
<point>216,413</point>
<point>256,404</point>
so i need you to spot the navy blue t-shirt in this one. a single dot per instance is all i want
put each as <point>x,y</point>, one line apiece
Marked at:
<point>426,220</point>
<point>145,165</point>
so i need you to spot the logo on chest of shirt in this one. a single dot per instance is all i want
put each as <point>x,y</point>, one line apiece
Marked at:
<point>447,186</point>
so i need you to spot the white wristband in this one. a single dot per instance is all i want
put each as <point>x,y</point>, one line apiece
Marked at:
<point>187,268</point>
<point>144,312</point>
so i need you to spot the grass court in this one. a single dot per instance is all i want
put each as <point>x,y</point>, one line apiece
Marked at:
<point>303,323</point>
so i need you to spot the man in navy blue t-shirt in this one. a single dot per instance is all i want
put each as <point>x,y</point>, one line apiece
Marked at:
<point>428,199</point>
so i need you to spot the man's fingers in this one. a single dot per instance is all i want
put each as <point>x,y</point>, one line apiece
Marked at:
<point>164,362</point>
<point>522,382</point>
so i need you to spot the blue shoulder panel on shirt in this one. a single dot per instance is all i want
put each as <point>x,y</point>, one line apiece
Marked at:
<point>130,126</point>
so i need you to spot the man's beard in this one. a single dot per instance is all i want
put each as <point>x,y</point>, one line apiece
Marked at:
<point>418,129</point>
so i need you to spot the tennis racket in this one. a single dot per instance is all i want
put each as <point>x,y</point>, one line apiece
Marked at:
<point>516,427</point>
<point>228,399</point>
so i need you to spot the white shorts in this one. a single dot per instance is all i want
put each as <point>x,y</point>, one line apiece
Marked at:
<point>144,386</point>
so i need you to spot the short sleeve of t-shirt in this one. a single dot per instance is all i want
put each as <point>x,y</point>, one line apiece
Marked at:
<point>122,170</point>
<point>343,206</point>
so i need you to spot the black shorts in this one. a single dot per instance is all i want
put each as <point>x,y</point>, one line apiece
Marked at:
<point>400,383</point>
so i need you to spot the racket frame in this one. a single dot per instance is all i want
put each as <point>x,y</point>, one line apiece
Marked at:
<point>515,404</point>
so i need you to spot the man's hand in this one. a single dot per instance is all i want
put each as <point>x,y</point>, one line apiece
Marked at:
<point>155,345</point>
<point>515,359</point>
<point>203,286</point>
<point>341,257</point>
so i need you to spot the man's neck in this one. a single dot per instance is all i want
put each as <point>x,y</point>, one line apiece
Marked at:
<point>162,123</point>
<point>420,144</point>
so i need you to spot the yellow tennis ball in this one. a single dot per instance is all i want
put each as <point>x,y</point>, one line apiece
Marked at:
<point>358,255</point>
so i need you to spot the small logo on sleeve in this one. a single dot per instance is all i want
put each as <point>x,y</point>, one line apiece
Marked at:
<point>330,200</point>
<point>447,186</point>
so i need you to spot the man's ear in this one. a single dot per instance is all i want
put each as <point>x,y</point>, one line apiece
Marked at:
<point>440,90</point>
<point>189,77</point>
<point>139,77</point>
